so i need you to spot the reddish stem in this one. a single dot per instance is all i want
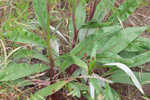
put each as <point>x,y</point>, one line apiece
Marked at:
<point>92,9</point>
<point>75,30</point>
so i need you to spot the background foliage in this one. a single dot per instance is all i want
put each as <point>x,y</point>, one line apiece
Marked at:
<point>44,49</point>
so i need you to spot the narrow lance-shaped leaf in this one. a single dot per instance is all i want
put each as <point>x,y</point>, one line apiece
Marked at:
<point>80,13</point>
<point>29,54</point>
<point>75,88</point>
<point>122,39</point>
<point>108,92</point>
<point>130,73</point>
<point>131,62</point>
<point>15,71</point>
<point>140,59</point>
<point>79,62</point>
<point>69,60</point>
<point>138,45</point>
<point>124,10</point>
<point>101,36</point>
<point>143,77</point>
<point>49,90</point>
<point>42,13</point>
<point>84,46</point>
<point>111,57</point>
<point>21,35</point>
<point>102,9</point>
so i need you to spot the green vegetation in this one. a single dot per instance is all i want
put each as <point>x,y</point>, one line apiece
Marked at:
<point>35,54</point>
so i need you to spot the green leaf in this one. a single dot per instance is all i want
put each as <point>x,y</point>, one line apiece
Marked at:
<point>84,46</point>
<point>143,77</point>
<point>15,71</point>
<point>95,24</point>
<point>98,85</point>
<point>83,33</point>
<point>49,90</point>
<point>100,37</point>
<point>41,11</point>
<point>69,60</point>
<point>124,10</point>
<point>28,54</point>
<point>71,29</point>
<point>122,39</point>
<point>81,86</point>
<point>130,73</point>
<point>108,92</point>
<point>131,62</point>
<point>80,14</point>
<point>140,44</point>
<point>102,9</point>
<point>20,82</point>
<point>111,57</point>
<point>140,59</point>
<point>75,88</point>
<point>79,62</point>
<point>21,35</point>
<point>126,54</point>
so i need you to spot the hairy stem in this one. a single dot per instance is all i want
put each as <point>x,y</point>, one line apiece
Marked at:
<point>50,55</point>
